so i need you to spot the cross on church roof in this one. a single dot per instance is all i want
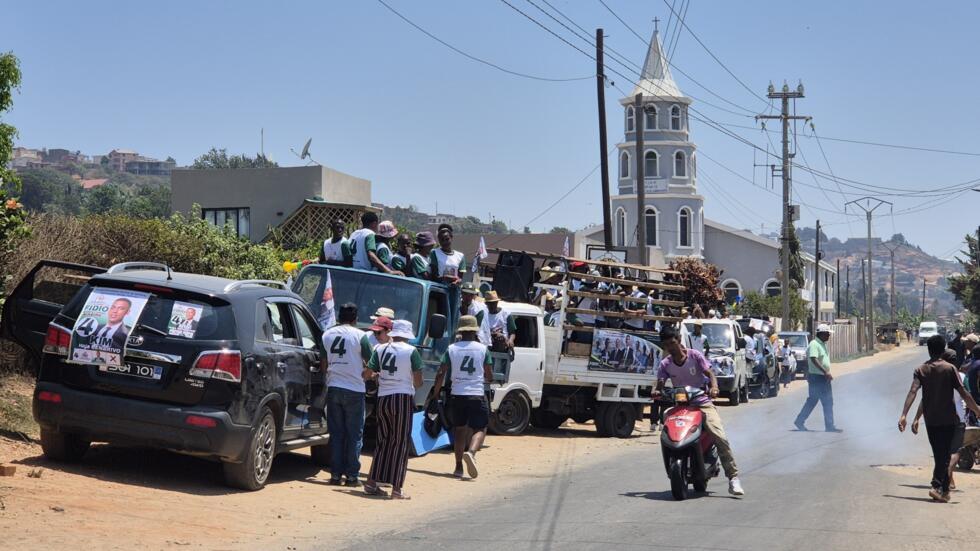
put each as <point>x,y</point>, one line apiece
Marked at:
<point>656,24</point>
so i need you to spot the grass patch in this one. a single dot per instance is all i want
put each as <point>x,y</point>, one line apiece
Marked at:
<point>15,407</point>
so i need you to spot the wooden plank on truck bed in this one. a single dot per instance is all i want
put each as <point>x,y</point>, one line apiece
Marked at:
<point>642,284</point>
<point>621,315</point>
<point>535,254</point>
<point>600,296</point>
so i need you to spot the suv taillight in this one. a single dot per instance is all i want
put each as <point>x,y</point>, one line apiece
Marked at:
<point>57,340</point>
<point>225,365</point>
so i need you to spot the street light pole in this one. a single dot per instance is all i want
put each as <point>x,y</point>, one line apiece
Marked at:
<point>869,302</point>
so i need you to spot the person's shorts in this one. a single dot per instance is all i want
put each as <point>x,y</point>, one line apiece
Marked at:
<point>958,433</point>
<point>470,411</point>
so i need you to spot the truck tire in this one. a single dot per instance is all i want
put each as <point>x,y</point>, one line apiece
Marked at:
<point>618,419</point>
<point>601,425</point>
<point>546,419</point>
<point>513,415</point>
<point>59,446</point>
<point>252,473</point>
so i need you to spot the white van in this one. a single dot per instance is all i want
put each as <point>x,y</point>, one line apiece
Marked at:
<point>926,330</point>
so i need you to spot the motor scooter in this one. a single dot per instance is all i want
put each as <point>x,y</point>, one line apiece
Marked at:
<point>690,454</point>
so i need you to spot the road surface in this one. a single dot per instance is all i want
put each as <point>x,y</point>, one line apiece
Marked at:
<point>805,490</point>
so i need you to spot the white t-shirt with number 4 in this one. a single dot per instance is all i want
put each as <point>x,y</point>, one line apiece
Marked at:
<point>395,363</point>
<point>466,360</point>
<point>347,350</point>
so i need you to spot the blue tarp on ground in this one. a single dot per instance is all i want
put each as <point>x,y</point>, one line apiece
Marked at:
<point>422,443</point>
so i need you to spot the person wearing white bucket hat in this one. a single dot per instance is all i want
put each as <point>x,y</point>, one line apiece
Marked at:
<point>398,368</point>
<point>818,379</point>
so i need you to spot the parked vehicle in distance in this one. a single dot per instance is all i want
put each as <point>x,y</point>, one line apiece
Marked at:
<point>726,352</point>
<point>798,343</point>
<point>927,329</point>
<point>237,388</point>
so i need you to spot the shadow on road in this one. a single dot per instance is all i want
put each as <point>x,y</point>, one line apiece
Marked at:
<point>168,471</point>
<point>910,498</point>
<point>656,496</point>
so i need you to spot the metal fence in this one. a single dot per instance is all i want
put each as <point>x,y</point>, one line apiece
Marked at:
<point>845,342</point>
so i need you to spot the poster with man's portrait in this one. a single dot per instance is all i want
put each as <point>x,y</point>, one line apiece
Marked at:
<point>103,326</point>
<point>184,319</point>
<point>614,350</point>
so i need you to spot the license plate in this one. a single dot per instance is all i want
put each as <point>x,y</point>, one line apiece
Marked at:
<point>141,371</point>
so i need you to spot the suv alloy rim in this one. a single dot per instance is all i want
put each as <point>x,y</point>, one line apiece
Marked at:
<point>264,448</point>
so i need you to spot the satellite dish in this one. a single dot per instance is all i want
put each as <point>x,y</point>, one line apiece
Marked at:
<point>306,150</point>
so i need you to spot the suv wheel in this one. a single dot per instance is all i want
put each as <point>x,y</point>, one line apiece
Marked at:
<point>63,447</point>
<point>252,473</point>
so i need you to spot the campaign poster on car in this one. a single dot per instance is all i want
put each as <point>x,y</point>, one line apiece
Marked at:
<point>103,326</point>
<point>184,318</point>
<point>622,352</point>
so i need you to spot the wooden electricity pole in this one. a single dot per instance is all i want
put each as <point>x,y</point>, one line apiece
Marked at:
<point>600,85</point>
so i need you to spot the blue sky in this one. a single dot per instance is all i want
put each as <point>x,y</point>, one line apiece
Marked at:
<point>425,125</point>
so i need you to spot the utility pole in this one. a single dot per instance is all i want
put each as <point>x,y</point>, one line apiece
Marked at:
<point>837,282</point>
<point>600,86</point>
<point>641,185</point>
<point>816,281</point>
<point>864,204</point>
<point>891,251</point>
<point>864,289</point>
<point>847,291</point>
<point>785,95</point>
<point>922,318</point>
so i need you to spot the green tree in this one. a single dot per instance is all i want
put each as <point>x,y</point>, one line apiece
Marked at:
<point>219,159</point>
<point>105,199</point>
<point>756,304</point>
<point>48,190</point>
<point>148,201</point>
<point>13,224</point>
<point>559,229</point>
<point>966,286</point>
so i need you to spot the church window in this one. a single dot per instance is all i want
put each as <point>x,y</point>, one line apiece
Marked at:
<point>680,165</point>
<point>621,227</point>
<point>650,168</point>
<point>772,288</point>
<point>732,290</point>
<point>630,119</point>
<point>684,227</point>
<point>650,117</point>
<point>675,117</point>
<point>624,165</point>
<point>651,226</point>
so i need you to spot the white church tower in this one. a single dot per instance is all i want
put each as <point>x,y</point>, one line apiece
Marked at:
<point>674,210</point>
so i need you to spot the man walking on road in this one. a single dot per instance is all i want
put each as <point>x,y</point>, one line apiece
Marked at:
<point>938,380</point>
<point>819,378</point>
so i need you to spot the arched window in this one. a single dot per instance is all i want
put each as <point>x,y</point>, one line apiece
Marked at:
<point>630,119</point>
<point>651,168</point>
<point>680,165</point>
<point>650,117</point>
<point>772,288</point>
<point>621,227</point>
<point>652,229</point>
<point>624,165</point>
<point>675,117</point>
<point>732,289</point>
<point>684,227</point>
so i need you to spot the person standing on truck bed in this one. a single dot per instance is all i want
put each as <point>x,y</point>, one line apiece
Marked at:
<point>503,328</point>
<point>336,249</point>
<point>364,248</point>
<point>469,366</point>
<point>686,367</point>
<point>399,261</point>
<point>470,306</point>
<point>386,231</point>
<point>445,264</point>
<point>348,350</point>
<point>398,368</point>
<point>418,265</point>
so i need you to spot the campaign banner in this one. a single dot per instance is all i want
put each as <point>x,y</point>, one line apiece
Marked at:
<point>328,316</point>
<point>103,326</point>
<point>622,352</point>
<point>184,318</point>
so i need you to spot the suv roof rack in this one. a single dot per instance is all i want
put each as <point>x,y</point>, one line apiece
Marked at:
<point>125,266</point>
<point>236,285</point>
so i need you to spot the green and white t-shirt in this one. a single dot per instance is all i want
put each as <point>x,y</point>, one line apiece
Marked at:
<point>384,253</point>
<point>479,310</point>
<point>418,265</point>
<point>399,262</point>
<point>466,361</point>
<point>447,264</point>
<point>347,349</point>
<point>501,322</point>
<point>361,242</point>
<point>338,251</point>
<point>395,362</point>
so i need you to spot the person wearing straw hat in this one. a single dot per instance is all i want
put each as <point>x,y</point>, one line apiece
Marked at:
<point>418,264</point>
<point>503,328</point>
<point>398,369</point>
<point>818,380</point>
<point>469,366</point>
<point>386,232</point>
<point>470,306</point>
<point>347,350</point>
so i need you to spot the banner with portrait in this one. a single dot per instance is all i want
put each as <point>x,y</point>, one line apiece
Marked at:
<point>184,318</point>
<point>623,352</point>
<point>102,330</point>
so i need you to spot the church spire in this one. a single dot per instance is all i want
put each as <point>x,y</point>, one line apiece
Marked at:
<point>656,79</point>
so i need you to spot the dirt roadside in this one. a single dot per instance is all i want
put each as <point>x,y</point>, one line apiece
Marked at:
<point>120,498</point>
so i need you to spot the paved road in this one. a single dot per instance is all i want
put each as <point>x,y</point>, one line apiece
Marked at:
<point>805,490</point>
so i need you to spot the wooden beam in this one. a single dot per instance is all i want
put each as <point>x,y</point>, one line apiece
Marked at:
<point>600,296</point>
<point>595,262</point>
<point>622,315</point>
<point>642,284</point>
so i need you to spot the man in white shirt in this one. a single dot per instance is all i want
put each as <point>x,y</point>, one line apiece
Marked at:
<point>114,332</point>
<point>696,340</point>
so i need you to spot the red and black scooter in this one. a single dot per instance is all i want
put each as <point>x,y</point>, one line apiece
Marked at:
<point>690,455</point>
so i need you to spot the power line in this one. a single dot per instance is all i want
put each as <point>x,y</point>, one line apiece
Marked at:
<point>672,49</point>
<point>620,19</point>
<point>475,58</point>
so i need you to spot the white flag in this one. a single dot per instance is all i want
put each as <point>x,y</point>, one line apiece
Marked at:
<point>328,317</point>
<point>564,248</point>
<point>481,253</point>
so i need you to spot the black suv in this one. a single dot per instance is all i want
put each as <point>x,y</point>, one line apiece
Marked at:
<point>238,388</point>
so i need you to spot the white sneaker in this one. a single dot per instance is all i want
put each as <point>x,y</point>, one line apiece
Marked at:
<point>470,461</point>
<point>735,487</point>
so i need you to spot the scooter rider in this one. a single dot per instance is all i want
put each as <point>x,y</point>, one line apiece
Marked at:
<point>690,368</point>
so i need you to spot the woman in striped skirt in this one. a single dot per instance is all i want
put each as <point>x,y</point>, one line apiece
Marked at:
<point>398,367</point>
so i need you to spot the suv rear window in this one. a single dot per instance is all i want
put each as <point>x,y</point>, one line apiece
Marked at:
<point>217,319</point>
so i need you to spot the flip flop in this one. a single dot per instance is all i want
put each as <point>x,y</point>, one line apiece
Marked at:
<point>374,490</point>
<point>398,494</point>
